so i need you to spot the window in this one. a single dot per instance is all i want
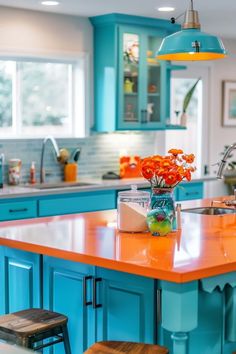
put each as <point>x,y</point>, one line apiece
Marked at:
<point>193,139</point>
<point>38,98</point>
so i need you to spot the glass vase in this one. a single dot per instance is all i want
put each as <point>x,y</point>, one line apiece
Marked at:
<point>161,218</point>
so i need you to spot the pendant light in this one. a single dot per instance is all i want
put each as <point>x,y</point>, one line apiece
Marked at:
<point>190,43</point>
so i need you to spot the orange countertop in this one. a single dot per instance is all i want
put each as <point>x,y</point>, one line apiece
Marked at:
<point>205,246</point>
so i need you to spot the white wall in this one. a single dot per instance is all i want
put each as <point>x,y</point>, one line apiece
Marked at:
<point>219,136</point>
<point>26,31</point>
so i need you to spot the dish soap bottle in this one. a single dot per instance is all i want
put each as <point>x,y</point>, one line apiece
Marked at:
<point>32,173</point>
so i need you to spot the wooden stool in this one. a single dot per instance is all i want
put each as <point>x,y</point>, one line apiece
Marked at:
<point>113,347</point>
<point>28,327</point>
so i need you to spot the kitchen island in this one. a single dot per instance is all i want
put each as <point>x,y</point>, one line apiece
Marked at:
<point>178,290</point>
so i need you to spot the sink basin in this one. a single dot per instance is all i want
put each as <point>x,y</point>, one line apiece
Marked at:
<point>210,211</point>
<point>57,185</point>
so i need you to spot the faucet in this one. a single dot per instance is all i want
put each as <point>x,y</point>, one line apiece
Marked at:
<point>2,158</point>
<point>56,150</point>
<point>224,160</point>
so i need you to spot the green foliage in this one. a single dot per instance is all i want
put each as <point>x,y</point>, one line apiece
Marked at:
<point>189,95</point>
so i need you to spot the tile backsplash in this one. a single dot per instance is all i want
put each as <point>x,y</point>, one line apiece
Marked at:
<point>99,153</point>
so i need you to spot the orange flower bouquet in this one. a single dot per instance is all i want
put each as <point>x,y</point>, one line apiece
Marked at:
<point>165,173</point>
<point>168,171</point>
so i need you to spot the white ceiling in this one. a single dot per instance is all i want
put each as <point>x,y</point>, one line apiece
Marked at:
<point>216,16</point>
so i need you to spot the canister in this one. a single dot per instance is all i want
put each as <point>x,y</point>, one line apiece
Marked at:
<point>132,210</point>
<point>14,170</point>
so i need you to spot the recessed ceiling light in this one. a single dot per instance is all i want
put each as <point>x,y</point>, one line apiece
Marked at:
<point>165,9</point>
<point>50,3</point>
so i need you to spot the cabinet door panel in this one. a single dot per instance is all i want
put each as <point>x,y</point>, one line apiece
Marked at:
<point>21,285</point>
<point>82,202</point>
<point>63,293</point>
<point>128,309</point>
<point>18,210</point>
<point>190,191</point>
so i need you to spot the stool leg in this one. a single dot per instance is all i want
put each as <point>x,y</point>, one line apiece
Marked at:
<point>66,339</point>
<point>23,342</point>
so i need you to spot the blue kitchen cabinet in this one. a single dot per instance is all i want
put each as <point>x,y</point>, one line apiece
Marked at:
<point>67,288</point>
<point>189,191</point>
<point>132,88</point>
<point>59,204</point>
<point>185,191</point>
<point>119,305</point>
<point>20,274</point>
<point>14,209</point>
<point>126,307</point>
<point>77,203</point>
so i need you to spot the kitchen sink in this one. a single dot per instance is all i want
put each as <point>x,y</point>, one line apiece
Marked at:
<point>210,210</point>
<point>43,186</point>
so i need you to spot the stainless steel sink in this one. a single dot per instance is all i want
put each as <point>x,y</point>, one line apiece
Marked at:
<point>43,186</point>
<point>210,211</point>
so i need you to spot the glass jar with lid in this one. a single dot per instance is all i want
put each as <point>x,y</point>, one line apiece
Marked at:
<point>132,210</point>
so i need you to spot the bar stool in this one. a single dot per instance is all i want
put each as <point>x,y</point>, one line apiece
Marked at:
<point>114,347</point>
<point>28,327</point>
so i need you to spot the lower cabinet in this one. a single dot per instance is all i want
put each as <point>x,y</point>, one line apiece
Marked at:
<point>67,289</point>
<point>100,304</point>
<point>20,280</point>
<point>126,307</point>
<point>77,203</point>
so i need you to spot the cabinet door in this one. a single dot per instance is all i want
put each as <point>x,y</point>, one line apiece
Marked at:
<point>14,210</point>
<point>20,280</point>
<point>80,202</point>
<point>64,293</point>
<point>128,310</point>
<point>140,83</point>
<point>189,191</point>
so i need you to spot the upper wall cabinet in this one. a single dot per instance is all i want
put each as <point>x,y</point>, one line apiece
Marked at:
<point>132,88</point>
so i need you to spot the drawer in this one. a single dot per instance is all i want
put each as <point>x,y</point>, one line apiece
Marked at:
<point>18,210</point>
<point>190,191</point>
<point>82,202</point>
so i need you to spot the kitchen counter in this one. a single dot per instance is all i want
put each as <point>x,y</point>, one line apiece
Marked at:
<point>94,185</point>
<point>206,245</point>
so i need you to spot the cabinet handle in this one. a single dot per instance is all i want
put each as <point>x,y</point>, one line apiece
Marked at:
<point>191,193</point>
<point>18,210</point>
<point>143,116</point>
<point>86,303</point>
<point>158,305</point>
<point>95,281</point>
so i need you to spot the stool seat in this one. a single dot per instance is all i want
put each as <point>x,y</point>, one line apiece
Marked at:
<point>28,327</point>
<point>32,321</point>
<point>115,347</point>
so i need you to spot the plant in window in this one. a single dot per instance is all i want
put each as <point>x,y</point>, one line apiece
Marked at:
<point>230,170</point>
<point>186,102</point>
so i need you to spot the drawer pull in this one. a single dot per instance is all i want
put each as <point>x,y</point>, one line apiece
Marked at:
<point>192,193</point>
<point>86,303</point>
<point>18,210</point>
<point>95,281</point>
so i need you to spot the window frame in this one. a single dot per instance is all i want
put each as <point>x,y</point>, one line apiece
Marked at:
<point>194,71</point>
<point>79,93</point>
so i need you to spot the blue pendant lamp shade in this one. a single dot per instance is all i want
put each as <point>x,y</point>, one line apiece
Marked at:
<point>190,43</point>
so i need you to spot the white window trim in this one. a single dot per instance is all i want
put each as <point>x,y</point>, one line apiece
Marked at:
<point>195,70</point>
<point>79,109</point>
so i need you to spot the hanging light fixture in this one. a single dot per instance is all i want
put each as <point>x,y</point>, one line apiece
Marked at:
<point>190,43</point>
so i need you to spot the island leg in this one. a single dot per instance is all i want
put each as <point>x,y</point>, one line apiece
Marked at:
<point>179,312</point>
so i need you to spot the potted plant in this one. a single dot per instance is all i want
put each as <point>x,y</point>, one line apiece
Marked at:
<point>186,101</point>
